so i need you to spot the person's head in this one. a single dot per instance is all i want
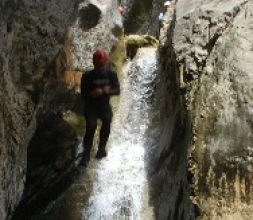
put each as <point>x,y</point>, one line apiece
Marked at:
<point>100,59</point>
<point>121,9</point>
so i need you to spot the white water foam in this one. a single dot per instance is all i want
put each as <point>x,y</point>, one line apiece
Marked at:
<point>120,188</point>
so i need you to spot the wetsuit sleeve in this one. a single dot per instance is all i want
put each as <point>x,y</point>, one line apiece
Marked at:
<point>85,86</point>
<point>115,86</point>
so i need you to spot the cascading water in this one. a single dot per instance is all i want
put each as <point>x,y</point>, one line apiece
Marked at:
<point>117,187</point>
<point>120,185</point>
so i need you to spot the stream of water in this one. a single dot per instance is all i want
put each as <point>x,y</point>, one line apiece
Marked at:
<point>117,187</point>
<point>120,188</point>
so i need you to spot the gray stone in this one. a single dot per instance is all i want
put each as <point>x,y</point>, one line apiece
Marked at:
<point>34,54</point>
<point>217,99</point>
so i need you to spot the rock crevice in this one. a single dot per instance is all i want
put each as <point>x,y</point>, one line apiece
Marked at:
<point>214,79</point>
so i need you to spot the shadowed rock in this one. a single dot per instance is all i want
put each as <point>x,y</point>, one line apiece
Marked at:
<point>89,16</point>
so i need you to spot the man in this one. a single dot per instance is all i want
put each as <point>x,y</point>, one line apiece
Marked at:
<point>160,20</point>
<point>121,10</point>
<point>97,86</point>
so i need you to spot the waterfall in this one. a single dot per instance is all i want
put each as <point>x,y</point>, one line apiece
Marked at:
<point>120,186</point>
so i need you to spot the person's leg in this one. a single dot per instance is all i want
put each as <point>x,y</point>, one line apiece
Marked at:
<point>91,125</point>
<point>106,118</point>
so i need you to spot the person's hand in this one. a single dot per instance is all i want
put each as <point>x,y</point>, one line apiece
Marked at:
<point>96,92</point>
<point>106,89</point>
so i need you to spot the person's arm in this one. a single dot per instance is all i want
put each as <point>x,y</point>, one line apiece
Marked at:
<point>85,86</point>
<point>86,90</point>
<point>115,86</point>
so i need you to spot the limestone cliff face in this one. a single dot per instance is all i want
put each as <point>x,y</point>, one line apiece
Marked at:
<point>168,166</point>
<point>142,16</point>
<point>99,25</point>
<point>34,60</point>
<point>205,98</point>
<point>31,35</point>
<point>210,44</point>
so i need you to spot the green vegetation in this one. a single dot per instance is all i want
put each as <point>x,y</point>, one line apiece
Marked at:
<point>141,41</point>
<point>134,42</point>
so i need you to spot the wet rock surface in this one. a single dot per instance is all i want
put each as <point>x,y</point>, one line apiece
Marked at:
<point>31,35</point>
<point>103,34</point>
<point>52,161</point>
<point>86,12</point>
<point>169,187</point>
<point>210,44</point>
<point>204,95</point>
<point>116,186</point>
<point>134,42</point>
<point>141,17</point>
<point>37,48</point>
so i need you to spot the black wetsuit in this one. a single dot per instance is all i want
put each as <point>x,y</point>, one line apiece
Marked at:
<point>98,107</point>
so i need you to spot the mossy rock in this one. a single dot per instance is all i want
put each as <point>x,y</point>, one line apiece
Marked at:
<point>141,40</point>
<point>134,42</point>
<point>127,47</point>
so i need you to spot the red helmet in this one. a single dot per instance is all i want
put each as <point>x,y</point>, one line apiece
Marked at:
<point>100,58</point>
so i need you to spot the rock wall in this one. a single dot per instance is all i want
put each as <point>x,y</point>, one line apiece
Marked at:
<point>210,43</point>
<point>33,63</point>
<point>31,35</point>
<point>206,94</point>
<point>103,33</point>
<point>167,168</point>
<point>141,17</point>
<point>170,194</point>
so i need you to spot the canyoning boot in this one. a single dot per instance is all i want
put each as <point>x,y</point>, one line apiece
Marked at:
<point>101,153</point>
